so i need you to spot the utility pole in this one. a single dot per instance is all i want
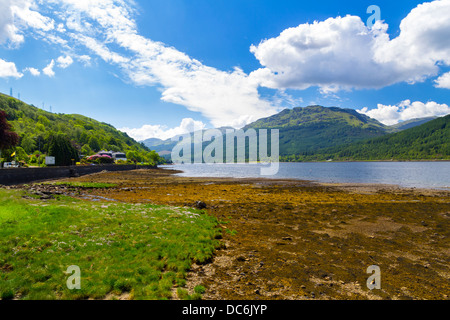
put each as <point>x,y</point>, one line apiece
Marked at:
<point>11,92</point>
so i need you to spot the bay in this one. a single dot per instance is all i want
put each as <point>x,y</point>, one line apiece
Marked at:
<point>420,174</point>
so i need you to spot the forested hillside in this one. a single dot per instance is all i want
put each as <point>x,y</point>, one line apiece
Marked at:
<point>429,141</point>
<point>37,127</point>
<point>313,128</point>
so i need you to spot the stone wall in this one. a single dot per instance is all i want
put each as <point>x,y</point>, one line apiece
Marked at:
<point>15,176</point>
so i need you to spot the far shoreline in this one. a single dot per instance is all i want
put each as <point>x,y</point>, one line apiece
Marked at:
<point>185,174</point>
<point>335,161</point>
<point>350,161</point>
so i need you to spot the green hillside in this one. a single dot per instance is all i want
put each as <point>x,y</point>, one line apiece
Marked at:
<point>36,128</point>
<point>320,133</point>
<point>305,130</point>
<point>429,141</point>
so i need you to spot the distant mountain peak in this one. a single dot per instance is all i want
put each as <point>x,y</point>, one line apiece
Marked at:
<point>300,116</point>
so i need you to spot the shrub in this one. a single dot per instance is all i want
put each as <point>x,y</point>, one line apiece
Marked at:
<point>99,159</point>
<point>200,289</point>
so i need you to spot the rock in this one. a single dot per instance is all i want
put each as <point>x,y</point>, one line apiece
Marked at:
<point>200,205</point>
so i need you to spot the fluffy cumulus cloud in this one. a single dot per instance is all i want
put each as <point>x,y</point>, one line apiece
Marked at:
<point>162,132</point>
<point>443,81</point>
<point>331,54</point>
<point>19,15</point>
<point>9,70</point>
<point>33,71</point>
<point>48,70</point>
<point>343,53</point>
<point>64,62</point>
<point>406,110</point>
<point>9,32</point>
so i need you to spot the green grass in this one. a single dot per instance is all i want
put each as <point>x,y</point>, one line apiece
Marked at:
<point>85,185</point>
<point>139,249</point>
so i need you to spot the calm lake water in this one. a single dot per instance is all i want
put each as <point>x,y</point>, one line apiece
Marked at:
<point>435,175</point>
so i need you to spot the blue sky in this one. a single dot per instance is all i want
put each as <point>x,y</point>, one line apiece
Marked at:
<point>156,68</point>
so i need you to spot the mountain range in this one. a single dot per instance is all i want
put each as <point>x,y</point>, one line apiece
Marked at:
<point>319,133</point>
<point>427,141</point>
<point>306,134</point>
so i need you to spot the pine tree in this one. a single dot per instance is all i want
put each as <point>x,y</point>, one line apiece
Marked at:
<point>63,151</point>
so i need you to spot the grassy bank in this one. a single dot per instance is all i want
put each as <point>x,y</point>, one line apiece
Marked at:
<point>83,185</point>
<point>134,250</point>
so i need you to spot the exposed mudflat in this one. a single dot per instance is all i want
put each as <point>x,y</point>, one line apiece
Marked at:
<point>287,239</point>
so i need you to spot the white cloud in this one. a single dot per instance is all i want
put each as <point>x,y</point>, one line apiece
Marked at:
<point>335,54</point>
<point>443,81</point>
<point>9,70</point>
<point>390,115</point>
<point>224,97</point>
<point>162,132</point>
<point>61,62</point>
<point>85,59</point>
<point>107,29</point>
<point>100,49</point>
<point>8,30</point>
<point>422,45</point>
<point>64,62</point>
<point>60,28</point>
<point>343,53</point>
<point>33,71</point>
<point>18,15</point>
<point>331,54</point>
<point>48,70</point>
<point>23,10</point>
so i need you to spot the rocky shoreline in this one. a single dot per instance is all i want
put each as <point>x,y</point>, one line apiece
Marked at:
<point>286,239</point>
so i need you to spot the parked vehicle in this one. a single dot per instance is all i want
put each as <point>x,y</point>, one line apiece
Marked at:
<point>10,165</point>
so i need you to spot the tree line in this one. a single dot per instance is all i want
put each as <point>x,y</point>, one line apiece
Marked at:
<point>430,141</point>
